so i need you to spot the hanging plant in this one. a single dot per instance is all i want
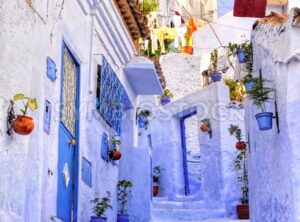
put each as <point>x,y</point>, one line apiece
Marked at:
<point>215,75</point>
<point>205,126</point>
<point>242,51</point>
<point>260,95</point>
<point>22,123</point>
<point>115,154</point>
<point>166,97</point>
<point>241,166</point>
<point>143,120</point>
<point>234,130</point>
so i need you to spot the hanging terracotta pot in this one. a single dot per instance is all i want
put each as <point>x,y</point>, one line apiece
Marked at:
<point>115,154</point>
<point>23,125</point>
<point>187,50</point>
<point>241,145</point>
<point>243,211</point>
<point>204,127</point>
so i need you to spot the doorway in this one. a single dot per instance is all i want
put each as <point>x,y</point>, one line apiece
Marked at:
<point>190,153</point>
<point>68,138</point>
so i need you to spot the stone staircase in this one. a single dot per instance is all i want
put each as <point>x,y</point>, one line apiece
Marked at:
<point>186,211</point>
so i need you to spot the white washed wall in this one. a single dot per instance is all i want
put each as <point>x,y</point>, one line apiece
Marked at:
<point>274,157</point>
<point>218,188</point>
<point>27,192</point>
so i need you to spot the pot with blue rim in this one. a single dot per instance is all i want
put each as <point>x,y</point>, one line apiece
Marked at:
<point>249,86</point>
<point>241,56</point>
<point>123,218</point>
<point>216,76</point>
<point>98,219</point>
<point>165,100</point>
<point>264,120</point>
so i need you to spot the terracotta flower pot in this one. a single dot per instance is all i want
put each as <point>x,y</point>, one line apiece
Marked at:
<point>23,125</point>
<point>155,190</point>
<point>187,50</point>
<point>243,211</point>
<point>241,145</point>
<point>204,127</point>
<point>115,155</point>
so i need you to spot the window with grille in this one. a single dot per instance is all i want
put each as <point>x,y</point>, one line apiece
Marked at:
<point>110,94</point>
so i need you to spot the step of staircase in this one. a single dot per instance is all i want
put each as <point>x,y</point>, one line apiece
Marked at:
<point>164,204</point>
<point>184,214</point>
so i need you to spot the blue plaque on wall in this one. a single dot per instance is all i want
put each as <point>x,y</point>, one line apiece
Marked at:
<point>47,117</point>
<point>86,172</point>
<point>51,69</point>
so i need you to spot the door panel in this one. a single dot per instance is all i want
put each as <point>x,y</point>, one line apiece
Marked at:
<point>67,138</point>
<point>65,175</point>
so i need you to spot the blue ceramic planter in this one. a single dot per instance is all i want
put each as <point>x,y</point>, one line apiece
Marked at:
<point>165,100</point>
<point>123,218</point>
<point>249,86</point>
<point>264,120</point>
<point>98,219</point>
<point>216,77</point>
<point>142,121</point>
<point>241,56</point>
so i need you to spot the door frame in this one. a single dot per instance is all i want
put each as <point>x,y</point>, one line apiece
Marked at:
<point>76,60</point>
<point>184,150</point>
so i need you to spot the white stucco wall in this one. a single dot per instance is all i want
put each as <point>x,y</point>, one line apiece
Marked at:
<point>218,188</point>
<point>274,157</point>
<point>27,192</point>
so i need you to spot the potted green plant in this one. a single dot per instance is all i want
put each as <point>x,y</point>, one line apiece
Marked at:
<point>156,179</point>
<point>249,82</point>
<point>143,120</point>
<point>123,192</point>
<point>260,95</point>
<point>215,75</point>
<point>101,205</point>
<point>243,51</point>
<point>115,154</point>
<point>23,124</point>
<point>241,166</point>
<point>166,97</point>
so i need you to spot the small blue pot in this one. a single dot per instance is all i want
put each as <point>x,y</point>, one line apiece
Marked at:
<point>264,120</point>
<point>123,218</point>
<point>249,86</point>
<point>241,56</point>
<point>165,100</point>
<point>98,219</point>
<point>216,77</point>
<point>142,121</point>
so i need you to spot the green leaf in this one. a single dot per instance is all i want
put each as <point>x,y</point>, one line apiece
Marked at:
<point>18,96</point>
<point>23,111</point>
<point>32,104</point>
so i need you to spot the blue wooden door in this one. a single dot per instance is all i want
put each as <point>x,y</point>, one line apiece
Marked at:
<point>184,152</point>
<point>68,137</point>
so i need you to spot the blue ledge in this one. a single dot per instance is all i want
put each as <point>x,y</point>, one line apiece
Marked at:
<point>141,74</point>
